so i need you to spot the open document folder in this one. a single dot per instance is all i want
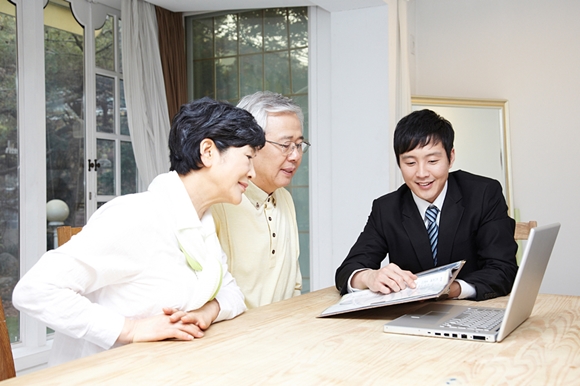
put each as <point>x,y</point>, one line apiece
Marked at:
<point>431,284</point>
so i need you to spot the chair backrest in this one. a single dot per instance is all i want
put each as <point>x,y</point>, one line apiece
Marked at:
<point>523,229</point>
<point>64,233</point>
<point>7,369</point>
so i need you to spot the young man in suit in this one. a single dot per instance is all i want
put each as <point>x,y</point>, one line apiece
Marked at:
<point>469,221</point>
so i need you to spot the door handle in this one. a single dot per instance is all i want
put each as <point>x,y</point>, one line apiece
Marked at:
<point>94,165</point>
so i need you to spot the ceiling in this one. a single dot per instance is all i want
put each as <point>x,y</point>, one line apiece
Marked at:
<point>200,6</point>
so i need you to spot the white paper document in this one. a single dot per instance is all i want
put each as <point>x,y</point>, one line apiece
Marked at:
<point>429,284</point>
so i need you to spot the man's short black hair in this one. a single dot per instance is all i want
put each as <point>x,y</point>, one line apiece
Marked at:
<point>226,125</point>
<point>421,128</point>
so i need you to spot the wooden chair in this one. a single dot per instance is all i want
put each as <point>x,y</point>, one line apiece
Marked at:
<point>64,233</point>
<point>523,229</point>
<point>7,369</point>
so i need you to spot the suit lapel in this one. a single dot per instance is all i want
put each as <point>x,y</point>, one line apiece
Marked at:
<point>451,214</point>
<point>416,231</point>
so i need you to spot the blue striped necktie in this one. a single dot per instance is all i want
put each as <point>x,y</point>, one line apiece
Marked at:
<point>432,229</point>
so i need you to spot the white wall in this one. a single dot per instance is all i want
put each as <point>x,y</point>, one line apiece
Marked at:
<point>349,112</point>
<point>528,52</point>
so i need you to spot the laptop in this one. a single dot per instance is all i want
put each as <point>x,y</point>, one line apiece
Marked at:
<point>484,323</point>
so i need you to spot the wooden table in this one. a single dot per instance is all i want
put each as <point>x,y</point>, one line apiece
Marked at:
<point>284,343</point>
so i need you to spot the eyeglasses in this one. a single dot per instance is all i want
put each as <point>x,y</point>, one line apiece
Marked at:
<point>288,147</point>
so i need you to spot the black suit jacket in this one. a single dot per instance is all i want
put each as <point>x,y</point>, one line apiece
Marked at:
<point>474,226</point>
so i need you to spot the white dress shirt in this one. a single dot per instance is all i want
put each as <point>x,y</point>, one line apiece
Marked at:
<point>467,290</point>
<point>125,263</point>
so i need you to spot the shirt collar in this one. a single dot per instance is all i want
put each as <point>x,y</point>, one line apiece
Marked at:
<point>258,197</point>
<point>422,205</point>
<point>179,205</point>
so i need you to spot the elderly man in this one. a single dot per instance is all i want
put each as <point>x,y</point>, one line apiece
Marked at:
<point>260,236</point>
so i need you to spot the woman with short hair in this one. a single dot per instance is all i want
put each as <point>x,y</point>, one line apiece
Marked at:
<point>149,266</point>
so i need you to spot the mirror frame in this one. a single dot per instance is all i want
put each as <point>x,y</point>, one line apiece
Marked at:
<point>502,106</point>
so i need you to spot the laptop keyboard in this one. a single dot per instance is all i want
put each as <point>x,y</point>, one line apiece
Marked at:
<point>476,318</point>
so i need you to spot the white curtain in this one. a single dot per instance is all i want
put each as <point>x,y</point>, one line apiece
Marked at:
<point>402,86</point>
<point>147,111</point>
<point>403,101</point>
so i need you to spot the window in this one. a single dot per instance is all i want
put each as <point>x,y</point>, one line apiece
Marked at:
<point>115,162</point>
<point>64,62</point>
<point>9,165</point>
<point>236,54</point>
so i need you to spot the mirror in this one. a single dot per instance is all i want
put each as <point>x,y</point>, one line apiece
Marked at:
<point>481,136</point>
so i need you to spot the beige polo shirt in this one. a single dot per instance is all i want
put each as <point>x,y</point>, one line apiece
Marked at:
<point>260,239</point>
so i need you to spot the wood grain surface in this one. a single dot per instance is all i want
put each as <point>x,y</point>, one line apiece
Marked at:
<point>285,343</point>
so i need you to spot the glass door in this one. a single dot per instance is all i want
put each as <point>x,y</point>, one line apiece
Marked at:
<point>114,162</point>
<point>65,118</point>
